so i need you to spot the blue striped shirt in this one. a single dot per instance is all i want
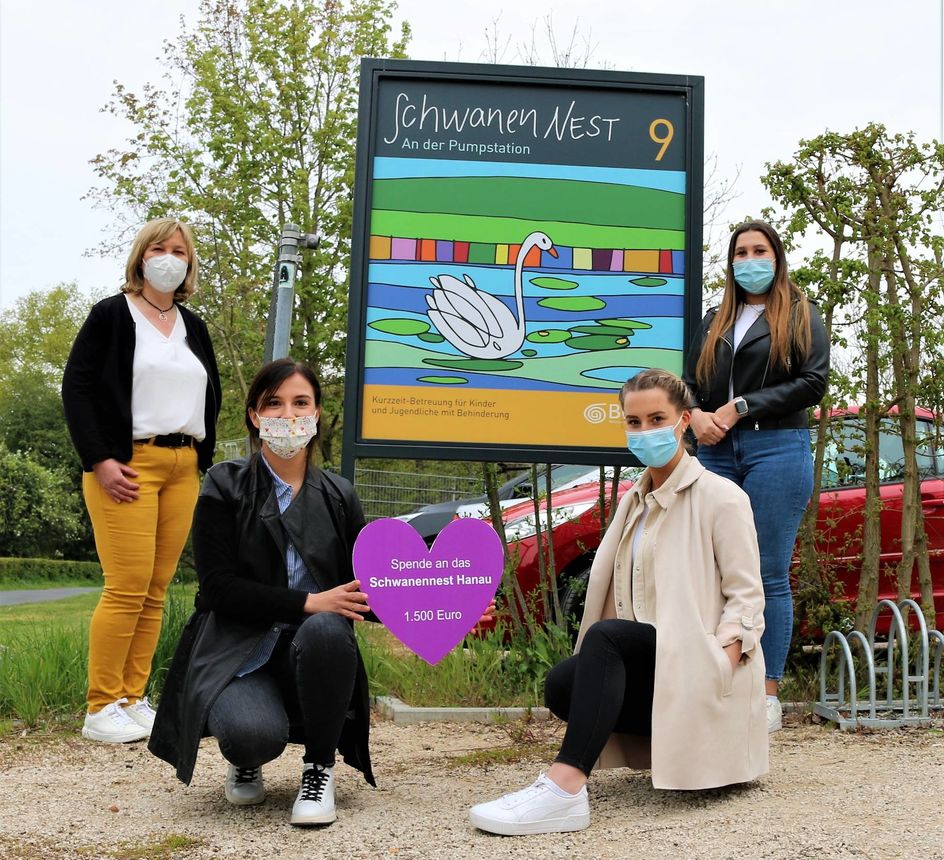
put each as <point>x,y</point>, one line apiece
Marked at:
<point>298,578</point>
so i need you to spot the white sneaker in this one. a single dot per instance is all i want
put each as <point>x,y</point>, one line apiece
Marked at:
<point>774,714</point>
<point>244,786</point>
<point>111,725</point>
<point>535,809</point>
<point>315,801</point>
<point>142,713</point>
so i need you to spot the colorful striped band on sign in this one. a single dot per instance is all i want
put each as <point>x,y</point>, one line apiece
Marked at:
<point>656,261</point>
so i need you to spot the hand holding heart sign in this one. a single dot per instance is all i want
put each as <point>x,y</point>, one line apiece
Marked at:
<point>428,598</point>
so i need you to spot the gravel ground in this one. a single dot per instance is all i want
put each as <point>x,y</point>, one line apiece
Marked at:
<point>829,795</point>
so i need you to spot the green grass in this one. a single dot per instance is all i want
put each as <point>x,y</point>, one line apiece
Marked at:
<point>43,663</point>
<point>167,848</point>
<point>486,672</point>
<point>43,655</point>
<point>71,612</point>
<point>43,584</point>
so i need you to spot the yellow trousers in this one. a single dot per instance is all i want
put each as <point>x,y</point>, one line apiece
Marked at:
<point>139,544</point>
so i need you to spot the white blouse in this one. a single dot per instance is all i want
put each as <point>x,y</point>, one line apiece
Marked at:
<point>168,389</point>
<point>746,317</point>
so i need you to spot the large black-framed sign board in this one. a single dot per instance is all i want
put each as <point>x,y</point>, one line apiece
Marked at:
<point>524,241</point>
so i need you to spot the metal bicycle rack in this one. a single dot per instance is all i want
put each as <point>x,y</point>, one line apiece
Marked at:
<point>920,688</point>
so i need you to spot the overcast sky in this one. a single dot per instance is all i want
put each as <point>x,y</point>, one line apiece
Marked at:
<point>775,71</point>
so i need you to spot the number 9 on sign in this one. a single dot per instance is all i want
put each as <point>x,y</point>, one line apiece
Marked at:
<point>665,139</point>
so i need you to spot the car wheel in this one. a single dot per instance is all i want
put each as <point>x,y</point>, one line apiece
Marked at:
<point>573,594</point>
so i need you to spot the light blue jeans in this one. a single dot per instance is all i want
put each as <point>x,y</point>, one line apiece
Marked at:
<point>775,469</point>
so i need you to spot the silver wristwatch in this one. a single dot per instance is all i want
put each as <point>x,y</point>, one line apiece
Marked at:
<point>740,406</point>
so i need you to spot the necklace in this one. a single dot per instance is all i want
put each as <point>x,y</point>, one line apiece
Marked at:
<point>161,312</point>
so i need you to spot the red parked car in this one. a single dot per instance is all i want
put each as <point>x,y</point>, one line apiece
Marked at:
<point>576,524</point>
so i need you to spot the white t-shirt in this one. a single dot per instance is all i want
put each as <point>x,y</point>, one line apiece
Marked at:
<point>168,389</point>
<point>747,315</point>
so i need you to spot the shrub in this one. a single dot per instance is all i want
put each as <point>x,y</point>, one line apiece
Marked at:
<point>43,570</point>
<point>40,514</point>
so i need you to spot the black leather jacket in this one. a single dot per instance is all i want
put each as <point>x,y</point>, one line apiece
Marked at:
<point>239,543</point>
<point>776,397</point>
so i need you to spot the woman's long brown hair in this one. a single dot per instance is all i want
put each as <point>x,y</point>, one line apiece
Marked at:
<point>789,328</point>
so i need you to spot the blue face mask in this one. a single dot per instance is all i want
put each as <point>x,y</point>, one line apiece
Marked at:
<point>653,447</point>
<point>755,276</point>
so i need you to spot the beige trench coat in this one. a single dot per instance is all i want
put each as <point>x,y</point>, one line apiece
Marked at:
<point>709,723</point>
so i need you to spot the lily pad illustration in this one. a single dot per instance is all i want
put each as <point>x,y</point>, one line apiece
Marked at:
<point>624,324</point>
<point>613,331</point>
<point>555,284</point>
<point>404,328</point>
<point>483,365</point>
<point>573,304</point>
<point>649,282</point>
<point>443,380</point>
<point>597,342</point>
<point>555,335</point>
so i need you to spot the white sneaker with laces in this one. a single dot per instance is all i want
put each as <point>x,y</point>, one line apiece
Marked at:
<point>142,713</point>
<point>111,725</point>
<point>774,714</point>
<point>535,809</point>
<point>315,801</point>
<point>244,786</point>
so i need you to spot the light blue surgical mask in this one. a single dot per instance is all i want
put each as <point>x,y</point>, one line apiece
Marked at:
<point>653,447</point>
<point>755,276</point>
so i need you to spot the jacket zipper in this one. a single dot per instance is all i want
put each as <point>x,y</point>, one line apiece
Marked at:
<point>731,372</point>
<point>762,381</point>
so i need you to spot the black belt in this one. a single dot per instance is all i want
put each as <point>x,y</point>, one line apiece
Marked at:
<point>171,440</point>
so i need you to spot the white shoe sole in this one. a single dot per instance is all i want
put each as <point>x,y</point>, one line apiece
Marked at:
<point>105,738</point>
<point>324,818</point>
<point>567,824</point>
<point>239,801</point>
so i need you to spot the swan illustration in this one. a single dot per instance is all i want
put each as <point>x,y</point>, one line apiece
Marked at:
<point>480,324</point>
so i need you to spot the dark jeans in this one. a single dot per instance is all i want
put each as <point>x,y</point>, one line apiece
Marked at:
<point>308,682</point>
<point>607,686</point>
<point>775,469</point>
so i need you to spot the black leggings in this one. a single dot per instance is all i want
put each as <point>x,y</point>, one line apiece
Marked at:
<point>308,681</point>
<point>605,687</point>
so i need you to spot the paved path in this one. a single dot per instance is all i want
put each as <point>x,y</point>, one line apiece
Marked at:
<point>42,595</point>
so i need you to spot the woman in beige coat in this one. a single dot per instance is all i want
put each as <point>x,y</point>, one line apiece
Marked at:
<point>679,557</point>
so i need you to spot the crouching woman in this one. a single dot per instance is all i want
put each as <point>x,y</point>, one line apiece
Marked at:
<point>269,655</point>
<point>668,672</point>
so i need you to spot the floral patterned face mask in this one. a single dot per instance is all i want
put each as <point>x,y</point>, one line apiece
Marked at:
<point>287,437</point>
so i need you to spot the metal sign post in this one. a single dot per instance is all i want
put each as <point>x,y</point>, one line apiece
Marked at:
<point>279,326</point>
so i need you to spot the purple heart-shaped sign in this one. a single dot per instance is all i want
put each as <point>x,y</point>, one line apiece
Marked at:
<point>428,598</point>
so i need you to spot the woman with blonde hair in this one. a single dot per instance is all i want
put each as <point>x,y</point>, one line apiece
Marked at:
<point>141,394</point>
<point>667,673</point>
<point>758,363</point>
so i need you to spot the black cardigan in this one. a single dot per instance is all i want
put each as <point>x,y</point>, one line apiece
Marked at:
<point>96,385</point>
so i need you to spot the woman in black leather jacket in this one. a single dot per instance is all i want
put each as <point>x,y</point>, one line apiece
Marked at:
<point>758,363</point>
<point>269,655</point>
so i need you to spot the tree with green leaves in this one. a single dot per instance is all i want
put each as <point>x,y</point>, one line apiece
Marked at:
<point>256,127</point>
<point>879,197</point>
<point>36,333</point>
<point>45,477</point>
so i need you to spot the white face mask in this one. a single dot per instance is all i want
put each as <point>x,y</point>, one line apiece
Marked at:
<point>165,273</point>
<point>287,437</point>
